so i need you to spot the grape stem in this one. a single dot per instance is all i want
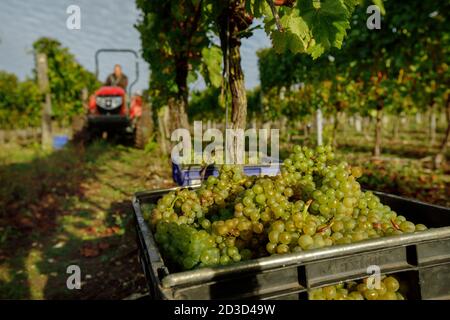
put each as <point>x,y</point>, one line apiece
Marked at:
<point>275,15</point>
<point>174,200</point>
<point>326,226</point>
<point>396,226</point>
<point>376,225</point>
<point>305,210</point>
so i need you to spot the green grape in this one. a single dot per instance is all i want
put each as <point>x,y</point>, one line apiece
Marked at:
<point>278,226</point>
<point>239,207</point>
<point>357,236</point>
<point>231,251</point>
<point>382,289</point>
<point>371,294</point>
<point>282,248</point>
<point>391,284</point>
<point>206,224</point>
<point>236,257</point>
<point>372,204</point>
<point>219,239</point>
<point>278,211</point>
<point>337,226</point>
<point>315,206</point>
<point>318,241</point>
<point>420,227</point>
<point>349,224</point>
<point>287,162</point>
<point>288,192</point>
<point>254,216</point>
<point>297,149</point>
<point>285,237</point>
<point>388,295</point>
<point>290,226</point>
<point>230,242</point>
<point>305,241</point>
<point>247,201</point>
<point>329,292</point>
<point>271,247</point>
<point>407,226</point>
<point>258,228</point>
<point>242,226</point>
<point>348,202</point>
<point>355,295</point>
<point>274,236</point>
<point>356,172</point>
<point>324,209</point>
<point>260,199</point>
<point>336,236</point>
<point>399,296</point>
<point>265,216</point>
<point>309,229</point>
<point>258,189</point>
<point>222,230</point>
<point>362,287</point>
<point>333,203</point>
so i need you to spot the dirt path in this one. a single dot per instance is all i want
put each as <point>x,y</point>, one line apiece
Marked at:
<point>72,207</point>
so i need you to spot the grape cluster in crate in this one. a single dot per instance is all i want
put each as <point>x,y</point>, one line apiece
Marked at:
<point>315,202</point>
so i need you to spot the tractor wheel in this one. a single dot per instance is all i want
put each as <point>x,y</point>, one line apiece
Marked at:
<point>143,129</point>
<point>80,130</point>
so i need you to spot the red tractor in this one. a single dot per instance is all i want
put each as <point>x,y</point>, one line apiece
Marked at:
<point>110,109</point>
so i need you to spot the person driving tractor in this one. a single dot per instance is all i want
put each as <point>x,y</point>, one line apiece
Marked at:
<point>117,78</point>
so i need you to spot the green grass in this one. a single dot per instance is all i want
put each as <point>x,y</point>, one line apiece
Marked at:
<point>72,206</point>
<point>13,153</point>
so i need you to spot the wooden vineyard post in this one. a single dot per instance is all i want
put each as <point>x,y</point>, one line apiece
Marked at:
<point>319,123</point>
<point>432,124</point>
<point>164,130</point>
<point>42,77</point>
<point>378,128</point>
<point>358,126</point>
<point>85,99</point>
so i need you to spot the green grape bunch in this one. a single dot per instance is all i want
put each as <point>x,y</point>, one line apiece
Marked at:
<point>315,202</point>
<point>359,290</point>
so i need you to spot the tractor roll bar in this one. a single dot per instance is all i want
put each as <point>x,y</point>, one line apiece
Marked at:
<point>97,53</point>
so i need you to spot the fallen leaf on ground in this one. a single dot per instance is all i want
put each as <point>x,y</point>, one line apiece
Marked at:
<point>103,245</point>
<point>89,251</point>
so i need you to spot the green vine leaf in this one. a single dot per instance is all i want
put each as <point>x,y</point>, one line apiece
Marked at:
<point>312,26</point>
<point>211,69</point>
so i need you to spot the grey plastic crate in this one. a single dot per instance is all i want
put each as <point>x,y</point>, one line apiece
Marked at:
<point>421,260</point>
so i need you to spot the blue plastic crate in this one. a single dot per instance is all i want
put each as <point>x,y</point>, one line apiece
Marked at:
<point>59,142</point>
<point>187,175</point>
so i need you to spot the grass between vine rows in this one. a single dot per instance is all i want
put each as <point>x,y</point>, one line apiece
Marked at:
<point>73,207</point>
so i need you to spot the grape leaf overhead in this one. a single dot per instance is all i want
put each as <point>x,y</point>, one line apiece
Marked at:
<point>310,26</point>
<point>327,21</point>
